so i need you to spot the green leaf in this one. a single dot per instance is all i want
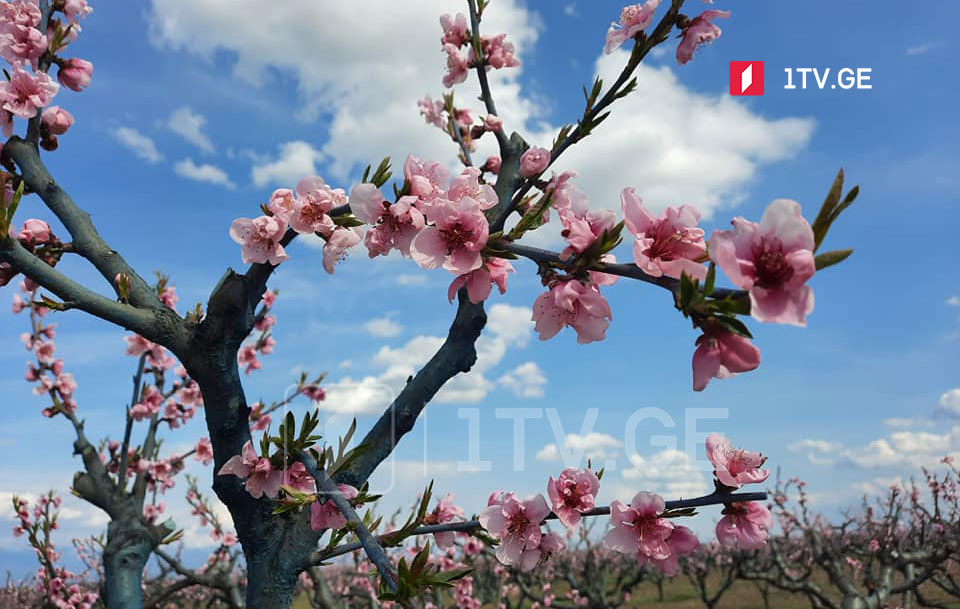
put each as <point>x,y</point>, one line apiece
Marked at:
<point>826,259</point>
<point>711,279</point>
<point>822,222</point>
<point>734,325</point>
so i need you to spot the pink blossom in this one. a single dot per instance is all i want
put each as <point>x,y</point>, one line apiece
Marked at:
<point>517,525</point>
<point>492,164</point>
<point>427,179</point>
<point>572,494</point>
<point>551,543</point>
<point>335,249</point>
<point>638,528</point>
<point>20,12</point>
<point>269,298</point>
<point>698,32</point>
<point>156,355</point>
<point>282,204</point>
<point>266,322</point>
<point>734,467</point>
<point>874,545</point>
<point>668,245</point>
<point>326,515</point>
<point>44,350</point>
<point>247,356</point>
<point>432,111</point>
<point>480,282</point>
<point>203,451</point>
<point>21,43</point>
<point>392,226</point>
<point>454,30</point>
<point>773,260</point>
<point>721,354</point>
<point>151,511</point>
<point>65,384</point>
<point>56,120</point>
<point>682,542</point>
<point>75,73</point>
<point>582,230</point>
<point>444,511</point>
<point>34,232</point>
<point>315,393</point>
<point>572,303</point>
<point>455,240</point>
<point>458,65</point>
<point>745,525</point>
<point>26,92</point>
<point>260,239</point>
<point>467,185</point>
<point>534,161</point>
<point>633,20</point>
<point>314,201</point>
<point>76,10</point>
<point>297,478</point>
<point>498,53</point>
<point>261,478</point>
<point>493,123</point>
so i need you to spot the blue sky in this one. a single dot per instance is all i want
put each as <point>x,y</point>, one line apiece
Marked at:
<point>306,89</point>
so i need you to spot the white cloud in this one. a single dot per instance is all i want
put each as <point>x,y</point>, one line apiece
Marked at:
<point>670,473</point>
<point>920,49</point>
<point>507,327</point>
<point>189,125</point>
<point>950,402</point>
<point>404,279</point>
<point>296,160</point>
<point>203,173</point>
<point>525,381</point>
<point>366,396</point>
<point>383,327</point>
<point>902,422</point>
<point>594,445</point>
<point>356,70</point>
<point>818,445</point>
<point>570,10</point>
<point>678,146</point>
<point>954,301</point>
<point>138,143</point>
<point>899,449</point>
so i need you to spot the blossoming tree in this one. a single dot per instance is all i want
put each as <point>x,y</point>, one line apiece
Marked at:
<point>286,490</point>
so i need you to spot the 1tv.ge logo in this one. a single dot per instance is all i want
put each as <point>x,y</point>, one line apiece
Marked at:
<point>746,78</point>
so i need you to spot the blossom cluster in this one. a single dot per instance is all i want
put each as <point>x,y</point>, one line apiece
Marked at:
<point>495,51</point>
<point>53,580</point>
<point>438,222</point>
<point>263,343</point>
<point>636,18</point>
<point>306,211</point>
<point>32,47</point>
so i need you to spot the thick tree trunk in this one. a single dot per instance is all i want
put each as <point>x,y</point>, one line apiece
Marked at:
<point>129,545</point>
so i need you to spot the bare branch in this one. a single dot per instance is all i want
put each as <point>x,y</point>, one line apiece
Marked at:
<point>131,318</point>
<point>86,240</point>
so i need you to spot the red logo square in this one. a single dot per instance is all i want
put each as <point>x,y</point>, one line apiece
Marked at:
<point>746,78</point>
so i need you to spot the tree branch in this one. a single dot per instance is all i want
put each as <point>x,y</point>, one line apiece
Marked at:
<point>137,320</point>
<point>485,93</point>
<point>457,354</point>
<point>86,240</point>
<point>632,271</point>
<point>371,545</point>
<point>472,525</point>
